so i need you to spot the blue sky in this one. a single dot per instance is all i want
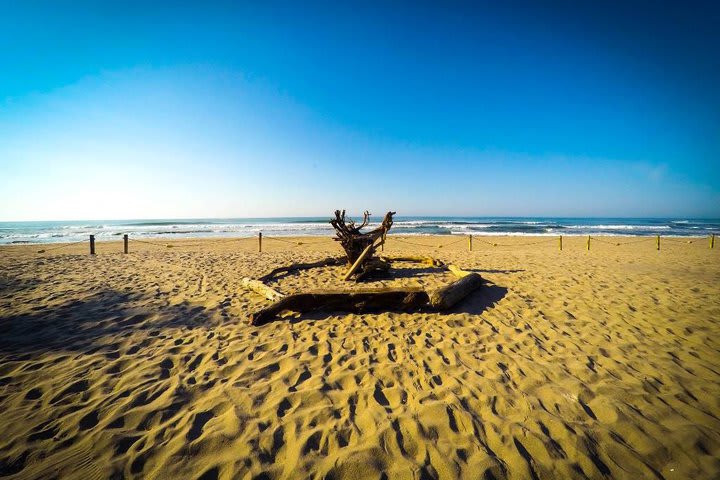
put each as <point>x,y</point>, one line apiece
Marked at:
<point>130,110</point>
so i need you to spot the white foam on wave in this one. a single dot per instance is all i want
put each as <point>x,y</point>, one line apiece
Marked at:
<point>618,227</point>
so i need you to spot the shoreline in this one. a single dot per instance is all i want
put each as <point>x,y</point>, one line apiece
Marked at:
<point>301,238</point>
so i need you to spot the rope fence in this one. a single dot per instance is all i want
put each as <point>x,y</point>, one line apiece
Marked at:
<point>392,238</point>
<point>495,244</point>
<point>45,250</point>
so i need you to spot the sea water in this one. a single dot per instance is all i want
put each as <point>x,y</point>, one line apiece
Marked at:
<point>70,231</point>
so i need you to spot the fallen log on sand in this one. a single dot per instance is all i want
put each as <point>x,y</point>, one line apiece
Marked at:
<point>449,295</point>
<point>361,301</point>
<point>366,300</point>
<point>358,301</point>
<point>429,261</point>
<point>259,287</point>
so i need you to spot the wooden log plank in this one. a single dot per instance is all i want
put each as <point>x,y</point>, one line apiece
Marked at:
<point>449,295</point>
<point>457,271</point>
<point>330,261</point>
<point>357,301</point>
<point>430,261</point>
<point>259,287</point>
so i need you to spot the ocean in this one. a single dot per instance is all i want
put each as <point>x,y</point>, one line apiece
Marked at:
<point>71,231</point>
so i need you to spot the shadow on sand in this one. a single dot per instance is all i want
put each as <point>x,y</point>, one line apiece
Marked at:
<point>79,324</point>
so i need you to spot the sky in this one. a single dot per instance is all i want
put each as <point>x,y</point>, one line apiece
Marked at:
<point>118,110</point>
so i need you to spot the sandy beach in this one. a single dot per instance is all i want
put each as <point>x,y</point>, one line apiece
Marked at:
<point>566,364</point>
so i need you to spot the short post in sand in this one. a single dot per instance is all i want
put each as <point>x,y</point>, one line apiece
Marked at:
<point>712,241</point>
<point>92,244</point>
<point>470,243</point>
<point>260,242</point>
<point>560,242</point>
<point>658,242</point>
<point>125,243</point>
<point>588,243</point>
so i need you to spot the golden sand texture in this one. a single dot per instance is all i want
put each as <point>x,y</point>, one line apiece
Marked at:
<point>569,364</point>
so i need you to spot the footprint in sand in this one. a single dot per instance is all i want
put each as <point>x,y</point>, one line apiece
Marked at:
<point>33,394</point>
<point>77,387</point>
<point>198,423</point>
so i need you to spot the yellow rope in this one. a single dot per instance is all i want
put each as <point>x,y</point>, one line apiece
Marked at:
<point>617,244</point>
<point>428,245</point>
<point>45,250</point>
<point>494,244</point>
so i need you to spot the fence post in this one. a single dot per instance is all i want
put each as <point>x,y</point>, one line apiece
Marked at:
<point>658,242</point>
<point>470,243</point>
<point>588,243</point>
<point>92,244</point>
<point>561,243</point>
<point>259,241</point>
<point>125,243</point>
<point>712,241</point>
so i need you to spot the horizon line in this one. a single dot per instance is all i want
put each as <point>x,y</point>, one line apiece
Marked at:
<point>273,217</point>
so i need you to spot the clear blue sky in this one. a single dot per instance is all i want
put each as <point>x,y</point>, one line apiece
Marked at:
<point>143,109</point>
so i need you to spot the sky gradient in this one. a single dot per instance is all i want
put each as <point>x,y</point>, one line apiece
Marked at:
<point>130,110</point>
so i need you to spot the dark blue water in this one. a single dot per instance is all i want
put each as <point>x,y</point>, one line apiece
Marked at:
<point>48,232</point>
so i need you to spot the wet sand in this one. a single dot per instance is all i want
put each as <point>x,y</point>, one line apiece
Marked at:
<point>569,364</point>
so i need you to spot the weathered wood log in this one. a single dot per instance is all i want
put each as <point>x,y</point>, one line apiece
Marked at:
<point>457,271</point>
<point>358,301</point>
<point>429,261</point>
<point>259,287</point>
<point>449,295</point>
<point>330,261</point>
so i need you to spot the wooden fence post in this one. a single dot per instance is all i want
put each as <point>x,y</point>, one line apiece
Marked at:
<point>658,243</point>
<point>588,243</point>
<point>92,244</point>
<point>712,241</point>
<point>561,243</point>
<point>259,241</point>
<point>125,243</point>
<point>470,243</point>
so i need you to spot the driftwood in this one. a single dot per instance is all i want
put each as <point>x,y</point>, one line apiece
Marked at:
<point>457,271</point>
<point>359,301</point>
<point>430,261</point>
<point>448,296</point>
<point>376,266</point>
<point>330,261</point>
<point>359,247</point>
<point>259,287</point>
<point>359,261</point>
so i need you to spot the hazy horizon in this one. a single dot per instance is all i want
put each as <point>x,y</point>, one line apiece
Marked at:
<point>358,216</point>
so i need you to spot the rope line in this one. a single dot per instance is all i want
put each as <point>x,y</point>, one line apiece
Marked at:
<point>553,239</point>
<point>426,244</point>
<point>617,244</point>
<point>150,243</point>
<point>295,243</point>
<point>45,250</point>
<point>298,243</point>
<point>677,240</point>
<point>235,239</point>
